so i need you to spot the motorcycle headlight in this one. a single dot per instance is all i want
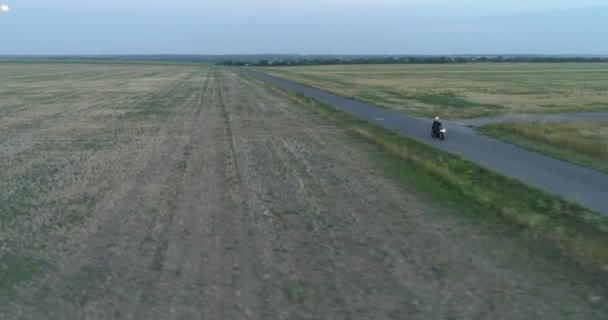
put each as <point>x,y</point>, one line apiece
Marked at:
<point>443,130</point>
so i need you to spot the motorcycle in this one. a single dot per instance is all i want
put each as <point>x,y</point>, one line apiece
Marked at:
<point>439,133</point>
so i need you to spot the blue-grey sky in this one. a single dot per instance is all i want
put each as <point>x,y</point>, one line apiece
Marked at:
<point>304,26</point>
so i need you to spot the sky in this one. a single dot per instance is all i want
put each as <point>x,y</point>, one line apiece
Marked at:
<point>304,27</point>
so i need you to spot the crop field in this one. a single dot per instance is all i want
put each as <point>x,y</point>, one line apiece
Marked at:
<point>463,90</point>
<point>182,192</point>
<point>577,142</point>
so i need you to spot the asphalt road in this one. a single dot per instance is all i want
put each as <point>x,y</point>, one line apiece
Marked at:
<point>575,183</point>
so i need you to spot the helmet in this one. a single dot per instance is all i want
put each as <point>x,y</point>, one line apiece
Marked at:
<point>436,118</point>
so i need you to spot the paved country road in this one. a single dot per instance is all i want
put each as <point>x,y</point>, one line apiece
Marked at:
<point>578,184</point>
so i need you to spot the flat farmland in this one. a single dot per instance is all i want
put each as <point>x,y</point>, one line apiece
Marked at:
<point>181,192</point>
<point>463,90</point>
<point>582,143</point>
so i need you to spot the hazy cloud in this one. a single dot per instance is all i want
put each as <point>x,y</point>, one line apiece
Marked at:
<point>494,6</point>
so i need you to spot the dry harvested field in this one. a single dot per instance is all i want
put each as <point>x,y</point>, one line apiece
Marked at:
<point>173,192</point>
<point>463,90</point>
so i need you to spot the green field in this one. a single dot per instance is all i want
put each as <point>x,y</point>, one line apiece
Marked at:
<point>582,143</point>
<point>160,191</point>
<point>463,90</point>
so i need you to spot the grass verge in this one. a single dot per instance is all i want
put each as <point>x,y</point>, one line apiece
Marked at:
<point>581,143</point>
<point>483,196</point>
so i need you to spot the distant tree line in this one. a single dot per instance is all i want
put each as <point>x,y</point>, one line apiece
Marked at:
<point>410,60</point>
<point>304,60</point>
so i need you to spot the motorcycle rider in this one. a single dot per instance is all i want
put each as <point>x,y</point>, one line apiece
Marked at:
<point>436,125</point>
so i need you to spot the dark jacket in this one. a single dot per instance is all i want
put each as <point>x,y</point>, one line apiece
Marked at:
<point>436,125</point>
